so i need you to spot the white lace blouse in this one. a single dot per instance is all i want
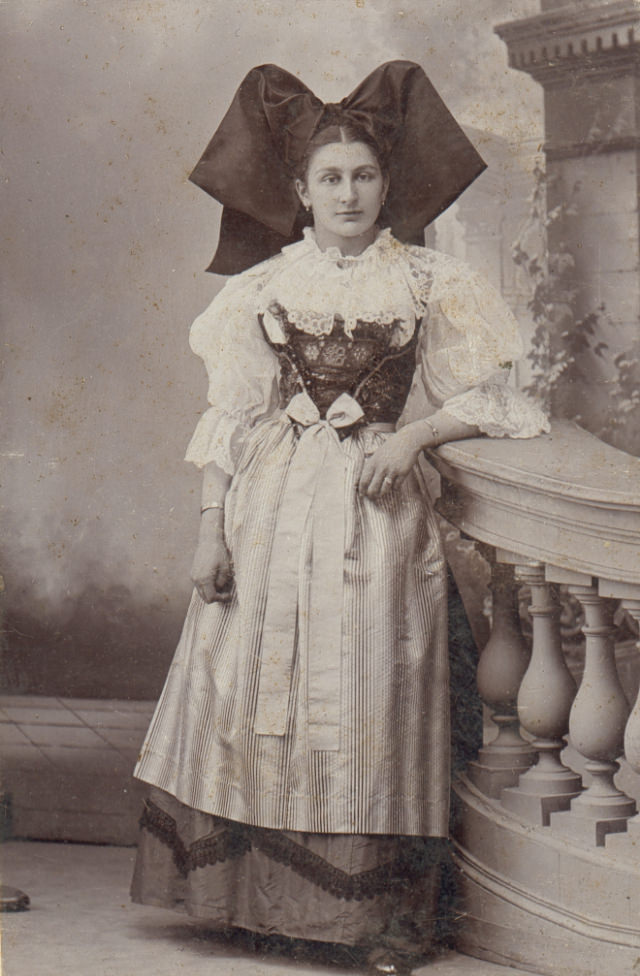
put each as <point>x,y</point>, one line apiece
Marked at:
<point>467,342</point>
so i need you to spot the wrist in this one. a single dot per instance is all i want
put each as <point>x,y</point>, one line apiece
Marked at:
<point>419,436</point>
<point>426,433</point>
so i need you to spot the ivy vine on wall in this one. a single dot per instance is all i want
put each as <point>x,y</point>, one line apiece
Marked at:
<point>565,339</point>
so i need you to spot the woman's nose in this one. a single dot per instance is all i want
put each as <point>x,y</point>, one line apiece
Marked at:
<point>348,190</point>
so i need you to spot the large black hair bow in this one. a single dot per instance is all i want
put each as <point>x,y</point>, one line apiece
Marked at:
<point>249,163</point>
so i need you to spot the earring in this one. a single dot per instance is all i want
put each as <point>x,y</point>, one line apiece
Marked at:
<point>307,207</point>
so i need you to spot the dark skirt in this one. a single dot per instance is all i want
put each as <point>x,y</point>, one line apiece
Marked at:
<point>346,888</point>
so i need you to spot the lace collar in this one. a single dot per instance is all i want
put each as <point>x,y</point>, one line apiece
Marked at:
<point>387,283</point>
<point>384,244</point>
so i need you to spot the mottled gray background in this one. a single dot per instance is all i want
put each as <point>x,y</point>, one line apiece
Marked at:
<point>107,106</point>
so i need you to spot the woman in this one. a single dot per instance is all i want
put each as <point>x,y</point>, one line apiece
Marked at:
<point>299,753</point>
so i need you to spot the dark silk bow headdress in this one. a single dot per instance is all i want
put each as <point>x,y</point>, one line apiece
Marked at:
<point>250,162</point>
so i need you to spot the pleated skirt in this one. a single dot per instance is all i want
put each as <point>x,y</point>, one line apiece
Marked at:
<point>391,773</point>
<point>354,890</point>
<point>264,832</point>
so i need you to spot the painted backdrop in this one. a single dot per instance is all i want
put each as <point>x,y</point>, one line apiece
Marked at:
<point>107,106</point>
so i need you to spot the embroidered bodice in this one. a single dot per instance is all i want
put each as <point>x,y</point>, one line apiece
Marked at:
<point>404,330</point>
<point>367,364</point>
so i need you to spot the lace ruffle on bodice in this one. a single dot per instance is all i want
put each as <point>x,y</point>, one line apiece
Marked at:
<point>331,324</point>
<point>378,285</point>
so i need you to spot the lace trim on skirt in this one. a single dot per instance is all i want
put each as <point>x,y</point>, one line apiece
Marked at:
<point>236,839</point>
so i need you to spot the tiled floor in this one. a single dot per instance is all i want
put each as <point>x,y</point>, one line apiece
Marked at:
<point>81,922</point>
<point>67,765</point>
<point>66,772</point>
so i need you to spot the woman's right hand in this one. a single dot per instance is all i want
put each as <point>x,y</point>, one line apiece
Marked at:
<point>211,572</point>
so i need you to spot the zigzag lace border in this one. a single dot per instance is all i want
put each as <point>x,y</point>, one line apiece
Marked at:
<point>235,840</point>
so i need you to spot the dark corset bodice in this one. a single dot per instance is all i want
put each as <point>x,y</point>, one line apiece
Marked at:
<point>366,366</point>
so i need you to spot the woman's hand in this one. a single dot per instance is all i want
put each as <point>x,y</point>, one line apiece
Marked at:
<point>392,462</point>
<point>388,467</point>
<point>211,572</point>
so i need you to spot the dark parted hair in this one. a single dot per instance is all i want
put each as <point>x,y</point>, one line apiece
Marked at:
<point>337,126</point>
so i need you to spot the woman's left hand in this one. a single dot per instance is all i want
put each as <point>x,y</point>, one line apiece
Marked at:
<point>391,463</point>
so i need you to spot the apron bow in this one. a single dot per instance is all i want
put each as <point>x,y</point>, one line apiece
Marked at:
<point>314,495</point>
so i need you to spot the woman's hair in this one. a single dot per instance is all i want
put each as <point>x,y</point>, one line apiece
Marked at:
<point>337,126</point>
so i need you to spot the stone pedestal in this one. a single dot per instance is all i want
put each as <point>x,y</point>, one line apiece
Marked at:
<point>501,763</point>
<point>599,811</point>
<point>544,789</point>
<point>626,844</point>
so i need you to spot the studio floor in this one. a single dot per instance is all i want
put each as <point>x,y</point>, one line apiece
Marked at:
<point>81,922</point>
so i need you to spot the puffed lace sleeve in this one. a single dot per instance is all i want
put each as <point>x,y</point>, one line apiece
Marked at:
<point>242,370</point>
<point>468,344</point>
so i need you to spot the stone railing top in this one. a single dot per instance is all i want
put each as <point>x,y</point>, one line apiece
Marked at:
<point>564,498</point>
<point>567,461</point>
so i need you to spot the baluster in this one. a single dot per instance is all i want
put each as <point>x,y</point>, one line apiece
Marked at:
<point>630,844</point>
<point>544,702</point>
<point>501,668</point>
<point>596,727</point>
<point>632,731</point>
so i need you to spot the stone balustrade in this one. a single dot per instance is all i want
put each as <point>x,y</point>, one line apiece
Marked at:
<point>561,509</point>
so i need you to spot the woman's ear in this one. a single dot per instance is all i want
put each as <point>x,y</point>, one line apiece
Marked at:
<point>301,190</point>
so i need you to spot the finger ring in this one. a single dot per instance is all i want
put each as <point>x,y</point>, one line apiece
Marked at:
<point>388,481</point>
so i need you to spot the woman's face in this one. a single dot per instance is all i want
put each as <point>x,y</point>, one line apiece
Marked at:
<point>345,188</point>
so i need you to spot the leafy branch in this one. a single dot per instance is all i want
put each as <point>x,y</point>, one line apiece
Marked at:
<point>562,336</point>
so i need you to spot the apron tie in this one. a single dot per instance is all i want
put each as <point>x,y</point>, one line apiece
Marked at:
<point>314,490</point>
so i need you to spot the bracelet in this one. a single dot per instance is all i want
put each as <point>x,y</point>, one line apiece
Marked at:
<point>206,508</point>
<point>434,429</point>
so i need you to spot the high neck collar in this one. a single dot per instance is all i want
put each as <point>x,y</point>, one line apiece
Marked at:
<point>334,254</point>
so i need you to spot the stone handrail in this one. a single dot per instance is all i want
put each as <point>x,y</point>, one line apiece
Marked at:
<point>565,499</point>
<point>563,508</point>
